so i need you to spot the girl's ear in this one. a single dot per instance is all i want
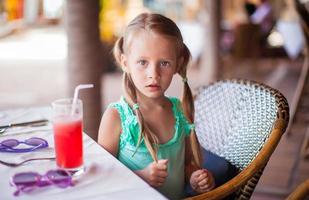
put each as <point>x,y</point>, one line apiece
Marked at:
<point>124,65</point>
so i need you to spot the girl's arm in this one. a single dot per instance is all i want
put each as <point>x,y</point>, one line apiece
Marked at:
<point>109,134</point>
<point>109,131</point>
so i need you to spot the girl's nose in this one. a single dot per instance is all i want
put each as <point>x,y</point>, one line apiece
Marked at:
<point>153,72</point>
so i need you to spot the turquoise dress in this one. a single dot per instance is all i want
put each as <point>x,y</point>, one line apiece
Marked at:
<point>173,150</point>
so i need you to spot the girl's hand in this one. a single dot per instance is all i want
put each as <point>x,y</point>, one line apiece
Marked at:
<point>202,181</point>
<point>155,173</point>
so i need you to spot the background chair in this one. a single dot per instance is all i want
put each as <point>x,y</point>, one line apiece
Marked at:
<point>301,191</point>
<point>243,122</point>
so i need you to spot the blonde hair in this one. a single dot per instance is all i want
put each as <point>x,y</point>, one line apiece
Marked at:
<point>161,25</point>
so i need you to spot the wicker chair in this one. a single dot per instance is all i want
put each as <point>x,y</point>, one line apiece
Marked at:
<point>301,191</point>
<point>243,122</point>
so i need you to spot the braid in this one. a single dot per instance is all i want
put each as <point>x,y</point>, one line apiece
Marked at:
<point>150,139</point>
<point>188,105</point>
<point>129,89</point>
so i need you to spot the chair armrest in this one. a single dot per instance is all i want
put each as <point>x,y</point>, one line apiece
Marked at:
<point>301,192</point>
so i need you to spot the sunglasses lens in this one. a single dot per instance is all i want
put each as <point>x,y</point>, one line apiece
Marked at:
<point>28,179</point>
<point>35,141</point>
<point>9,143</point>
<point>59,177</point>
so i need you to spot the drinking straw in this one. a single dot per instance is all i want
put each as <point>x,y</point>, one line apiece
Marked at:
<point>79,87</point>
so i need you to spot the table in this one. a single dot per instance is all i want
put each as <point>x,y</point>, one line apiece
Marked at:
<point>104,178</point>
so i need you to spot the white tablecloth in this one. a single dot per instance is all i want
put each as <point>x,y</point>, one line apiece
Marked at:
<point>105,177</point>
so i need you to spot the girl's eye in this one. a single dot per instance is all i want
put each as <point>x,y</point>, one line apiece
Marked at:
<point>164,64</point>
<point>142,62</point>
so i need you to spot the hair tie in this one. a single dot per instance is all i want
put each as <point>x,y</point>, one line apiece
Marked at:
<point>185,79</point>
<point>192,127</point>
<point>135,106</point>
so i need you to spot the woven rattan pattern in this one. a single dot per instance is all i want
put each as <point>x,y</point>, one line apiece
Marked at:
<point>234,118</point>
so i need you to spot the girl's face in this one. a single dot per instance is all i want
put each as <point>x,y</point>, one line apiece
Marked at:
<point>151,62</point>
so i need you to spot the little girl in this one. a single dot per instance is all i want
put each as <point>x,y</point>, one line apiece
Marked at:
<point>150,133</point>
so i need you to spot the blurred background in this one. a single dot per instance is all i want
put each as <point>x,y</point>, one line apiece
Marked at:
<point>47,47</point>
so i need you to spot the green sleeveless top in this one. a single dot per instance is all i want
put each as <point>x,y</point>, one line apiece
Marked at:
<point>173,150</point>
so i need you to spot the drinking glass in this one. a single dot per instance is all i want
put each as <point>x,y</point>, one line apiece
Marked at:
<point>68,126</point>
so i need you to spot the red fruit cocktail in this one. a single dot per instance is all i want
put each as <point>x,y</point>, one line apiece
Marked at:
<point>68,128</point>
<point>68,142</point>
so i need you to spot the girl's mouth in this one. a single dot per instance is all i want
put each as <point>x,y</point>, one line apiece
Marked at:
<point>153,87</point>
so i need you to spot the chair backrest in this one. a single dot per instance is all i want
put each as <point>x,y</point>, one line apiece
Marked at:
<point>235,118</point>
